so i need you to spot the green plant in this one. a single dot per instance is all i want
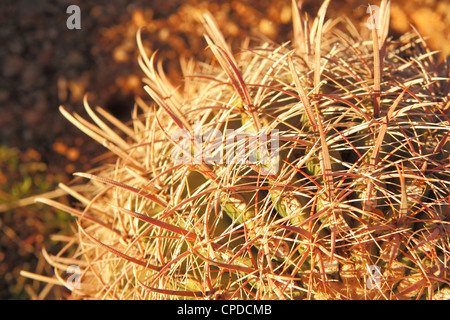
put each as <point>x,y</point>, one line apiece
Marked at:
<point>25,229</point>
<point>358,182</point>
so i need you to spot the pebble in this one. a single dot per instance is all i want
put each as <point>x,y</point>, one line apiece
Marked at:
<point>30,75</point>
<point>12,66</point>
<point>4,95</point>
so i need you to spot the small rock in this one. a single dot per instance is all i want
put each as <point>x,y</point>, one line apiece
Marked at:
<point>12,66</point>
<point>120,55</point>
<point>267,28</point>
<point>30,75</point>
<point>4,95</point>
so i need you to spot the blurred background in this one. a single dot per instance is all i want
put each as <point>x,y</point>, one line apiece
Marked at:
<point>44,65</point>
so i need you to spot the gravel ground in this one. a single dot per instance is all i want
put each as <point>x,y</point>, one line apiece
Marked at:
<point>44,65</point>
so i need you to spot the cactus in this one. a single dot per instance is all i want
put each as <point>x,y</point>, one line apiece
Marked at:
<point>312,170</point>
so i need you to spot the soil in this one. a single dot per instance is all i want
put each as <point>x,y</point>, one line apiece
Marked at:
<point>44,65</point>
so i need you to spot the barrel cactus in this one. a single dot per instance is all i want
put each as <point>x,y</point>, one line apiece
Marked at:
<point>317,169</point>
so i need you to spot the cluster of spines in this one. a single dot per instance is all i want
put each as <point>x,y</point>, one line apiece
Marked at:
<point>362,180</point>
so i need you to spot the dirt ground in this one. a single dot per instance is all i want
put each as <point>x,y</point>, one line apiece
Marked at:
<point>44,65</point>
